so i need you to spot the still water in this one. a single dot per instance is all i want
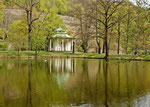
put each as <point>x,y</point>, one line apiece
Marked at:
<point>60,82</point>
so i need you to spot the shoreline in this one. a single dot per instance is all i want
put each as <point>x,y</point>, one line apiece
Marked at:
<point>111,57</point>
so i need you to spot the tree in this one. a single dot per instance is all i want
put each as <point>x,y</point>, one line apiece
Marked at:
<point>2,33</point>
<point>128,22</point>
<point>50,23</point>
<point>18,34</point>
<point>121,14</point>
<point>98,28</point>
<point>62,5</point>
<point>81,11</point>
<point>29,7</point>
<point>139,36</point>
<point>2,6</point>
<point>107,9</point>
<point>44,28</point>
<point>38,37</point>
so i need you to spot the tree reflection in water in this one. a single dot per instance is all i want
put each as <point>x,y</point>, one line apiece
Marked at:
<point>29,91</point>
<point>74,82</point>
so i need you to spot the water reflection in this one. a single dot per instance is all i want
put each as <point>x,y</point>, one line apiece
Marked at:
<point>74,82</point>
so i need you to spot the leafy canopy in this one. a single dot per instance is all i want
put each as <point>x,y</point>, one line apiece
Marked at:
<point>18,34</point>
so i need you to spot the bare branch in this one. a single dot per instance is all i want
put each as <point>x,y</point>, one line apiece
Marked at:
<point>35,4</point>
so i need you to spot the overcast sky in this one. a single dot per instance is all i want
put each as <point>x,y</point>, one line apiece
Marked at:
<point>134,1</point>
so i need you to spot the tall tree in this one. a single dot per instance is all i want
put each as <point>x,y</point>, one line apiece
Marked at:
<point>29,6</point>
<point>51,22</point>
<point>81,11</point>
<point>38,37</point>
<point>18,35</point>
<point>128,23</point>
<point>107,9</point>
<point>121,14</point>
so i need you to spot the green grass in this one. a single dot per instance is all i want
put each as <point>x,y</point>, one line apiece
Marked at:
<point>77,55</point>
<point>44,53</point>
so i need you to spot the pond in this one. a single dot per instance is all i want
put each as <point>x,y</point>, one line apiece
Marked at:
<point>65,82</point>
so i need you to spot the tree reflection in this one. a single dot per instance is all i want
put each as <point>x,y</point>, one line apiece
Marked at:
<point>128,91</point>
<point>29,92</point>
<point>118,69</point>
<point>105,68</point>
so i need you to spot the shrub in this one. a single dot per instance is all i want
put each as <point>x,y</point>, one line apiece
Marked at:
<point>79,48</point>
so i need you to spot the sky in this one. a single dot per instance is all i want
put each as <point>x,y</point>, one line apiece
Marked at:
<point>148,1</point>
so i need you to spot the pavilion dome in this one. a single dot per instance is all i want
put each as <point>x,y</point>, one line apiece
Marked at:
<point>60,30</point>
<point>61,33</point>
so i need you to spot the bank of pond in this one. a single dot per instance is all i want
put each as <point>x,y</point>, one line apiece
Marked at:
<point>45,54</point>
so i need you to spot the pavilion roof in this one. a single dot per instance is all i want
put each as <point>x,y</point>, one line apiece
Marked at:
<point>62,36</point>
<point>61,33</point>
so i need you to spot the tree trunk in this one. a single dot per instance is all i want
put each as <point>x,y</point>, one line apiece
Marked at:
<point>118,50</point>
<point>103,47</point>
<point>84,49</point>
<point>99,48</point>
<point>106,44</point>
<point>47,44</point>
<point>73,51</point>
<point>36,53</point>
<point>128,25</point>
<point>29,42</point>
<point>18,52</point>
<point>97,38</point>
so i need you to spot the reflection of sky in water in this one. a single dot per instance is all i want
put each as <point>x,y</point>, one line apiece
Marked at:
<point>62,78</point>
<point>143,101</point>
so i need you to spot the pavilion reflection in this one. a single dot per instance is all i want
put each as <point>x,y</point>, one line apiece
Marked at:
<point>62,65</point>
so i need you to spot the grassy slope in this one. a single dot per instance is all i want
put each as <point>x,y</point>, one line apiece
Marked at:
<point>6,54</point>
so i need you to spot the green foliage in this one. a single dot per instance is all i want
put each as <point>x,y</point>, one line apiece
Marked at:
<point>2,6</point>
<point>3,46</point>
<point>62,5</point>
<point>52,22</point>
<point>79,48</point>
<point>2,33</point>
<point>38,36</point>
<point>18,34</point>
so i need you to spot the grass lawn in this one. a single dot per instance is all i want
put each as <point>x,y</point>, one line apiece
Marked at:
<point>26,54</point>
<point>50,54</point>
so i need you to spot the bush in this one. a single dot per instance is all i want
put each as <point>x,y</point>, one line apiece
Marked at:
<point>3,46</point>
<point>79,48</point>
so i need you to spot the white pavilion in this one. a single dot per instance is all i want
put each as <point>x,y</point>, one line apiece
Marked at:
<point>61,41</point>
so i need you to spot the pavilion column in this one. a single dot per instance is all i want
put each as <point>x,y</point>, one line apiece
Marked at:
<point>64,45</point>
<point>71,45</point>
<point>50,45</point>
<point>57,45</point>
<point>54,45</point>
